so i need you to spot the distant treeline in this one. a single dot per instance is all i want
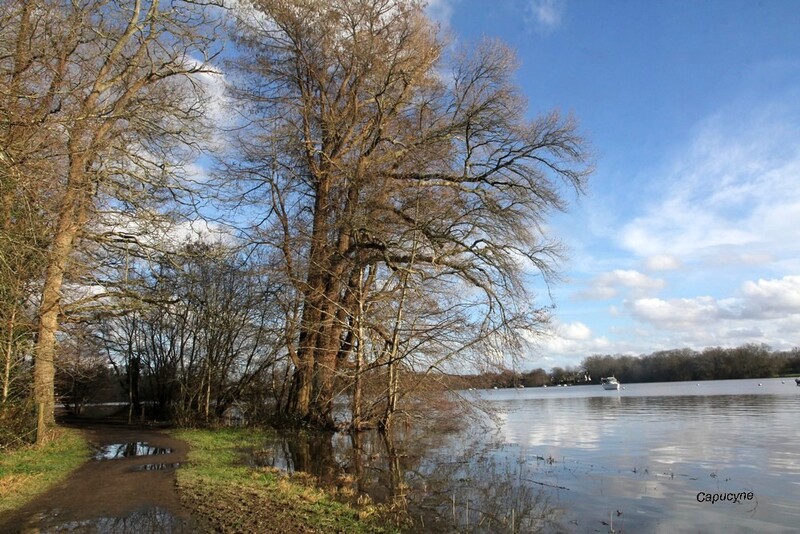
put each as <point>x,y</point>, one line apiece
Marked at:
<point>715,363</point>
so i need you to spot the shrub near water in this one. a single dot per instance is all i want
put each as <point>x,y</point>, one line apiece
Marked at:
<point>220,489</point>
<point>28,471</point>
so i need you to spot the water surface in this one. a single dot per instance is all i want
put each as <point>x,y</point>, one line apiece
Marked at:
<point>647,458</point>
<point>651,455</point>
<point>128,450</point>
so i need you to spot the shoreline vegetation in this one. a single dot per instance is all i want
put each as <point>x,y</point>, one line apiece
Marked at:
<point>224,491</point>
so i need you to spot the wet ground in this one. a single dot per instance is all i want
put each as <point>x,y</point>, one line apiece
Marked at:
<point>127,486</point>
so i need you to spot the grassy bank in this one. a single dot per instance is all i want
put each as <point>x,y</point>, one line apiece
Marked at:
<point>221,490</point>
<point>30,471</point>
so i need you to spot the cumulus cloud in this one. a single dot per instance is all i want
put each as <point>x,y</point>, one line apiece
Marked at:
<point>758,311</point>
<point>662,262</point>
<point>676,313</point>
<point>574,331</point>
<point>199,230</point>
<point>767,309</point>
<point>160,233</point>
<point>767,298</point>
<point>572,338</point>
<point>608,284</point>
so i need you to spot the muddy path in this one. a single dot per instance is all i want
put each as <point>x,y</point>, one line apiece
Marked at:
<point>127,486</point>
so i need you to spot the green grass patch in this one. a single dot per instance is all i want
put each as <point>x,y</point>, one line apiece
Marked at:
<point>30,471</point>
<point>220,489</point>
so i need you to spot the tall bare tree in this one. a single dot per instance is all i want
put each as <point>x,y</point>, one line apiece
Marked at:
<point>25,199</point>
<point>102,95</point>
<point>379,148</point>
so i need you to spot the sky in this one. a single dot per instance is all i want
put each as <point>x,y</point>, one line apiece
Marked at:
<point>689,234</point>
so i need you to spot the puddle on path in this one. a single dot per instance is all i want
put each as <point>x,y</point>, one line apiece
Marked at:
<point>157,467</point>
<point>125,450</point>
<point>154,519</point>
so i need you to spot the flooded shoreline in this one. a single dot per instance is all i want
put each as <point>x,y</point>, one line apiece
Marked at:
<point>571,459</point>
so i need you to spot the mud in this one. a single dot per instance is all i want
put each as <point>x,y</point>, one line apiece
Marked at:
<point>126,486</point>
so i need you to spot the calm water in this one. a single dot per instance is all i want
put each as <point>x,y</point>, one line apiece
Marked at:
<point>581,459</point>
<point>648,450</point>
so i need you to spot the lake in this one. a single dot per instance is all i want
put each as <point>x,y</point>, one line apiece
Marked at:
<point>713,456</point>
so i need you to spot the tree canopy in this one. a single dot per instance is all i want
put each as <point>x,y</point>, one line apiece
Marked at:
<point>385,195</point>
<point>400,182</point>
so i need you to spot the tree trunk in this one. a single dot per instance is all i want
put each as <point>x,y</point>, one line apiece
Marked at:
<point>356,415</point>
<point>325,373</point>
<point>44,370</point>
<point>9,352</point>
<point>300,390</point>
<point>311,322</point>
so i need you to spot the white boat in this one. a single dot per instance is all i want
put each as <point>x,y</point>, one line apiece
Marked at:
<point>609,383</point>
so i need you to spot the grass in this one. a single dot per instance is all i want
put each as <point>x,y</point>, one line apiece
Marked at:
<point>232,497</point>
<point>29,471</point>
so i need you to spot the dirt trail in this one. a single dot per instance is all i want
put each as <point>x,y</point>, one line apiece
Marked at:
<point>126,492</point>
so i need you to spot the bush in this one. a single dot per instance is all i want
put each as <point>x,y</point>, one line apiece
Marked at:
<point>17,424</point>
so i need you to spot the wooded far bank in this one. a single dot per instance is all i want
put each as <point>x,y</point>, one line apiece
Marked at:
<point>713,363</point>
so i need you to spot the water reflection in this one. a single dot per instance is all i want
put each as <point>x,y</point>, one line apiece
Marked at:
<point>157,467</point>
<point>147,520</point>
<point>581,460</point>
<point>125,450</point>
<point>464,488</point>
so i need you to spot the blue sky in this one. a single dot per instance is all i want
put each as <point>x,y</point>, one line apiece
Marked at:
<point>690,233</point>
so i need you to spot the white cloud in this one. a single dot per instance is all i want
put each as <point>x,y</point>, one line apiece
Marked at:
<point>662,262</point>
<point>733,192</point>
<point>576,331</point>
<point>571,338</point>
<point>744,333</point>
<point>545,15</point>
<point>758,311</point>
<point>151,231</point>
<point>608,284</point>
<point>441,11</point>
<point>768,298</point>
<point>201,230</point>
<point>763,310</point>
<point>634,279</point>
<point>676,313</point>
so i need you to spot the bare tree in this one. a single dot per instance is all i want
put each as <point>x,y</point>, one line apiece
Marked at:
<point>377,150</point>
<point>205,330</point>
<point>111,94</point>
<point>82,371</point>
<point>25,198</point>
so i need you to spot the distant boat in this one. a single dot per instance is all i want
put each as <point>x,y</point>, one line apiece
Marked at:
<point>612,383</point>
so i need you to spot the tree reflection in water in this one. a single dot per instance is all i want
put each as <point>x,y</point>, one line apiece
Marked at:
<point>441,482</point>
<point>145,520</point>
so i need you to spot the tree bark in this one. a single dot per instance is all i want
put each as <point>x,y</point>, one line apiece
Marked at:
<point>50,307</point>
